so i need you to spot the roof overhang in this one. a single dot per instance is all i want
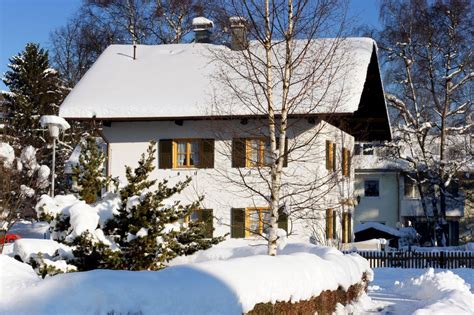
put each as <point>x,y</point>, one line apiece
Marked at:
<point>371,121</point>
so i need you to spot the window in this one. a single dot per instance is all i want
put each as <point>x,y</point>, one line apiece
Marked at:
<point>410,188</point>
<point>205,217</point>
<point>254,152</point>
<point>371,188</point>
<point>330,156</point>
<point>358,148</point>
<point>257,152</point>
<point>346,162</point>
<point>247,222</point>
<point>331,219</point>
<point>186,153</point>
<point>257,221</point>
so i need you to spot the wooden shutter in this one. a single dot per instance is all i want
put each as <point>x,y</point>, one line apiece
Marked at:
<point>283,220</point>
<point>238,152</point>
<point>329,224</point>
<point>345,161</point>
<point>334,225</point>
<point>334,165</point>
<point>349,158</point>
<point>237,223</point>
<point>165,154</point>
<point>346,227</point>
<point>207,157</point>
<point>328,149</point>
<point>208,220</point>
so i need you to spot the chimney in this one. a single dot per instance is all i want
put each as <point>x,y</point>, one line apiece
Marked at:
<point>202,29</point>
<point>238,29</point>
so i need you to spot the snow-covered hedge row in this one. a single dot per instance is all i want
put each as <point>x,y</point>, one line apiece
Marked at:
<point>222,283</point>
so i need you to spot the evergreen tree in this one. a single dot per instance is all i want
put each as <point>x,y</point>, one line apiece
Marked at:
<point>35,90</point>
<point>89,174</point>
<point>148,231</point>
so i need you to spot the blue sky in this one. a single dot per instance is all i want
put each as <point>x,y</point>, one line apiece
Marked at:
<point>23,21</point>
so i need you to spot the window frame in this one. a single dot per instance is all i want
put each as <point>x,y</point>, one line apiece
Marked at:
<point>261,210</point>
<point>414,193</point>
<point>378,187</point>
<point>188,153</point>
<point>261,152</point>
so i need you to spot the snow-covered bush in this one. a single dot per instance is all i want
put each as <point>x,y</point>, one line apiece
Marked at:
<point>22,180</point>
<point>47,257</point>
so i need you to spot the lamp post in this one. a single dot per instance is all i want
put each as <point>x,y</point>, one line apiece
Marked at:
<point>55,125</point>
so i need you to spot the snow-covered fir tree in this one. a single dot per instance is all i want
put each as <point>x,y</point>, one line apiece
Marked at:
<point>89,174</point>
<point>35,90</point>
<point>148,230</point>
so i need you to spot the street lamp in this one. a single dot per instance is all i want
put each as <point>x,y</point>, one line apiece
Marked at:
<point>55,125</point>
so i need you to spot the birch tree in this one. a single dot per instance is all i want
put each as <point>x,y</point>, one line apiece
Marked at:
<point>280,78</point>
<point>428,46</point>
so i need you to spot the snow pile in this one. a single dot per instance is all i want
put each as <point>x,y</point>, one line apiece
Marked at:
<point>7,154</point>
<point>27,248</point>
<point>231,286</point>
<point>441,293</point>
<point>14,276</point>
<point>82,217</point>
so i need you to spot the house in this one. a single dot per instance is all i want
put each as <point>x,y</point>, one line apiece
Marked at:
<point>387,194</point>
<point>169,93</point>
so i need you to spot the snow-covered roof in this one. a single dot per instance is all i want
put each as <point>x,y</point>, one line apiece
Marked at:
<point>180,80</point>
<point>377,226</point>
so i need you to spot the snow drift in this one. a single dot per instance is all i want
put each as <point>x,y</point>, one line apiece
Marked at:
<point>441,293</point>
<point>231,286</point>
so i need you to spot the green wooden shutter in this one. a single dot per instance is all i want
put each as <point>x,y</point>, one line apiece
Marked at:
<point>207,158</point>
<point>207,218</point>
<point>238,152</point>
<point>283,220</point>
<point>237,223</point>
<point>165,154</point>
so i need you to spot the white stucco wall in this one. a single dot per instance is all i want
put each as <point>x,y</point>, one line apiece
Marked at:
<point>128,140</point>
<point>384,208</point>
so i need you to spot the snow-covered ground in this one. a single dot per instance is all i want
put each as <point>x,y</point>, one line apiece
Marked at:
<point>230,278</point>
<point>420,291</point>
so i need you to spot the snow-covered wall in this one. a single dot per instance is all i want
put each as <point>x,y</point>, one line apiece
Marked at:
<point>128,140</point>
